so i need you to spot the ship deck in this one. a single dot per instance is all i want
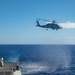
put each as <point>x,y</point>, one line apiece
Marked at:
<point>7,68</point>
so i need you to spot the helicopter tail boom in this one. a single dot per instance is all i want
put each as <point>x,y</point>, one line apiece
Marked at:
<point>38,25</point>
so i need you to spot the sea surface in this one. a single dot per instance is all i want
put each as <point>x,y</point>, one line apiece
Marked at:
<point>41,59</point>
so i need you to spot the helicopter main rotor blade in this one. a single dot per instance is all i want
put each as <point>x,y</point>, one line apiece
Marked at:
<point>42,19</point>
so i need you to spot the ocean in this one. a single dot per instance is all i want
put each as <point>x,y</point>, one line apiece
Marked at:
<point>41,59</point>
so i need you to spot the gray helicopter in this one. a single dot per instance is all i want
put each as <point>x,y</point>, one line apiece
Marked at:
<point>49,24</point>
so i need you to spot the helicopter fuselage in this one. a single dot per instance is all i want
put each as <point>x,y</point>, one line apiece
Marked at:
<point>51,26</point>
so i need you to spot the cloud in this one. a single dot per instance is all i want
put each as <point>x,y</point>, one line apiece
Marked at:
<point>65,40</point>
<point>67,25</point>
<point>60,40</point>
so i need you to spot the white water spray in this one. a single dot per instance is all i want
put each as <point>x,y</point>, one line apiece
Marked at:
<point>52,58</point>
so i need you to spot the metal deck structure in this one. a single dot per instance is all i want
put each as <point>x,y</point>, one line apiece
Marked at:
<point>9,68</point>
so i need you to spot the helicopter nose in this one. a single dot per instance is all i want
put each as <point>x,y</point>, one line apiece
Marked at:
<point>60,27</point>
<point>36,25</point>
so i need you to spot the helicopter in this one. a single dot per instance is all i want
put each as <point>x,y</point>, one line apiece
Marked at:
<point>49,24</point>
